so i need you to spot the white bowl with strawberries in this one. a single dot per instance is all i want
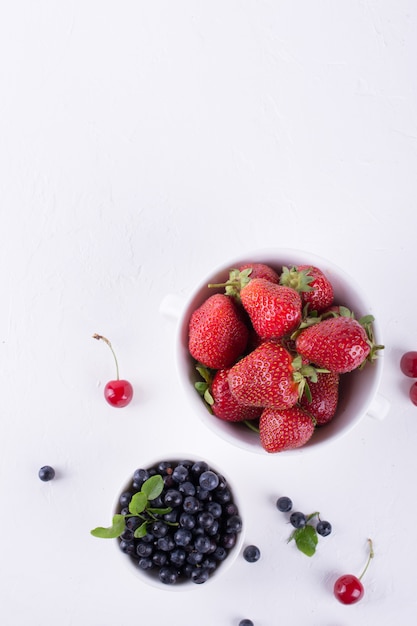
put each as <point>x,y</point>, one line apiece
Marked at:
<point>280,352</point>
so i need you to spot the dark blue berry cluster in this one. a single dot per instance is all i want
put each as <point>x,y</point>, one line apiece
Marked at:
<point>191,540</point>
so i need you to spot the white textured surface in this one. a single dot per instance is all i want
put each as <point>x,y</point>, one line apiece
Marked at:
<point>141,144</point>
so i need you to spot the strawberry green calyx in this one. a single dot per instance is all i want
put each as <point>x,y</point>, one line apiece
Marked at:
<point>366,322</point>
<point>236,282</point>
<point>203,386</point>
<point>296,279</point>
<point>302,374</point>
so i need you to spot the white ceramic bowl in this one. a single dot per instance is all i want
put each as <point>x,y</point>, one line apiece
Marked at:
<point>358,389</point>
<point>151,576</point>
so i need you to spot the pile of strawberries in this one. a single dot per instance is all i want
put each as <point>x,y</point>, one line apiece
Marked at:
<point>271,349</point>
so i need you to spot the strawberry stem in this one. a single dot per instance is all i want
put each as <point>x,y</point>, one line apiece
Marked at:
<point>96,336</point>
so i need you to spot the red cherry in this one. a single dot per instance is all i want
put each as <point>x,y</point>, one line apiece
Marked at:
<point>408,364</point>
<point>118,392</point>
<point>348,588</point>
<point>413,393</point>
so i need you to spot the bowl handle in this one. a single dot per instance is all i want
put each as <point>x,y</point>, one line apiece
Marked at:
<point>379,408</point>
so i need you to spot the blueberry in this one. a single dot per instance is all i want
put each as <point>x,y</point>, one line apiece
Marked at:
<point>168,575</point>
<point>246,622</point>
<point>195,558</point>
<point>159,529</point>
<point>140,476</point>
<point>215,509</point>
<point>223,496</point>
<point>284,504</point>
<point>46,473</point>
<point>160,558</point>
<point>165,543</point>
<point>228,540</point>
<point>183,537</point>
<point>128,547</point>
<point>297,519</point>
<point>177,556</point>
<point>132,523</point>
<point>125,498</point>
<point>234,524</point>
<point>180,474</point>
<point>191,504</point>
<point>145,563</point>
<point>202,544</point>
<point>205,519</point>
<point>220,553</point>
<point>324,528</point>
<point>187,520</point>
<point>251,554</point>
<point>199,467</point>
<point>187,488</point>
<point>144,549</point>
<point>173,498</point>
<point>200,575</point>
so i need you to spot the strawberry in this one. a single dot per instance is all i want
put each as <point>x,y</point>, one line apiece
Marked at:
<point>315,288</point>
<point>217,335</point>
<point>321,402</point>
<point>265,377</point>
<point>340,344</point>
<point>260,270</point>
<point>274,310</point>
<point>285,429</point>
<point>216,392</point>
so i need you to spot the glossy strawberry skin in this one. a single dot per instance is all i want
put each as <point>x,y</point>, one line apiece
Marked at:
<point>285,429</point>
<point>324,397</point>
<point>321,295</point>
<point>339,344</point>
<point>225,405</point>
<point>264,377</point>
<point>260,270</point>
<point>217,334</point>
<point>274,310</point>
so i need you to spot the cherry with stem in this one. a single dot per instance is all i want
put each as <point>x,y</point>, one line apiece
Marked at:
<point>348,588</point>
<point>117,392</point>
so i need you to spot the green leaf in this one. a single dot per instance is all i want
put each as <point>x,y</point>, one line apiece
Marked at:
<point>153,487</point>
<point>168,509</point>
<point>208,397</point>
<point>138,503</point>
<point>201,387</point>
<point>306,539</point>
<point>113,531</point>
<point>141,531</point>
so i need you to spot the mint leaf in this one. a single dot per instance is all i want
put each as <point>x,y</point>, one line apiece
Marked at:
<point>306,539</point>
<point>167,509</point>
<point>141,530</point>
<point>113,531</point>
<point>138,503</point>
<point>153,487</point>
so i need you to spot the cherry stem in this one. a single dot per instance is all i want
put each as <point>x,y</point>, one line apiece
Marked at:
<point>96,336</point>
<point>371,556</point>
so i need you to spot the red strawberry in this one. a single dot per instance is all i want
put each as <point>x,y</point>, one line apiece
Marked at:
<point>224,405</point>
<point>260,270</point>
<point>217,334</point>
<point>265,377</point>
<point>274,310</point>
<point>324,396</point>
<point>339,344</point>
<point>285,429</point>
<point>315,288</point>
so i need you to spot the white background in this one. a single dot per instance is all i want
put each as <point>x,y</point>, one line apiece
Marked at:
<point>142,144</point>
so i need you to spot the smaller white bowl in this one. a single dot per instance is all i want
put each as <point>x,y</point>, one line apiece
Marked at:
<point>358,389</point>
<point>150,576</point>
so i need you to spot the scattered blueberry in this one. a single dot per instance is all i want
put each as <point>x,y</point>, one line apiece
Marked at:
<point>297,519</point>
<point>251,554</point>
<point>46,473</point>
<point>284,504</point>
<point>324,528</point>
<point>246,622</point>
